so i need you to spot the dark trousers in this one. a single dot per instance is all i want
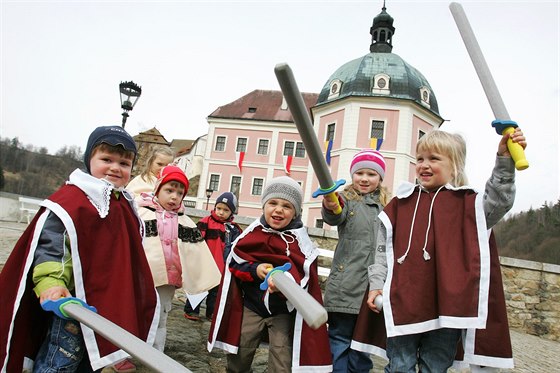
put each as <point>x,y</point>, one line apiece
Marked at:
<point>210,303</point>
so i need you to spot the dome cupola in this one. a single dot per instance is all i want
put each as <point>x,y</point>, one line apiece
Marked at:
<point>379,73</point>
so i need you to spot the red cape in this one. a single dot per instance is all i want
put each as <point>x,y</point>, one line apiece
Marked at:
<point>110,272</point>
<point>311,350</point>
<point>459,287</point>
<point>215,243</point>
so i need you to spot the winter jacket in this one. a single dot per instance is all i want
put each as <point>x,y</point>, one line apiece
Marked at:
<point>175,249</point>
<point>357,226</point>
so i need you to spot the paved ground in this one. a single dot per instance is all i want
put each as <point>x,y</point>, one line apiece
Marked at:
<point>186,341</point>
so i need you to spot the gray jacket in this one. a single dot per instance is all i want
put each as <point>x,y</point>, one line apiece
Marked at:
<point>498,199</point>
<point>357,227</point>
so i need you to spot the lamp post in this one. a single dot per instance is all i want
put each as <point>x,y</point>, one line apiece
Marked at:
<point>130,92</point>
<point>208,195</point>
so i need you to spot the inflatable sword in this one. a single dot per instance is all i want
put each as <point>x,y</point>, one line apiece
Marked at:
<point>311,311</point>
<point>502,124</point>
<point>305,128</point>
<point>74,308</point>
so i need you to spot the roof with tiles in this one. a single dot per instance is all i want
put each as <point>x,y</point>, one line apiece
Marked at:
<point>261,105</point>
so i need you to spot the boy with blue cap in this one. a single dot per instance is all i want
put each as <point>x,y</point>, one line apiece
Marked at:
<point>86,242</point>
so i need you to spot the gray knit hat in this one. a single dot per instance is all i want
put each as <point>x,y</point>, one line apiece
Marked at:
<point>286,188</point>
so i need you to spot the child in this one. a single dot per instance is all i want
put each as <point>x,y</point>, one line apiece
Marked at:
<point>160,157</point>
<point>361,202</point>
<point>438,269</point>
<point>86,241</point>
<point>175,249</point>
<point>219,232</point>
<point>244,311</point>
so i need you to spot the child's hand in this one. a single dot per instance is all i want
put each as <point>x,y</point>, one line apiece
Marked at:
<point>263,269</point>
<point>330,205</point>
<point>371,297</point>
<point>517,136</point>
<point>54,293</point>
<point>271,287</point>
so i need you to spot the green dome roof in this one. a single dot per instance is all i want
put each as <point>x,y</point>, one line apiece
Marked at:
<point>357,79</point>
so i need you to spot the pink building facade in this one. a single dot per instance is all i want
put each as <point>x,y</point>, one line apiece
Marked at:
<point>377,96</point>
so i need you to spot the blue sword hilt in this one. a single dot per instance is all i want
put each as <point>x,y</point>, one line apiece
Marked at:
<point>283,268</point>
<point>57,306</point>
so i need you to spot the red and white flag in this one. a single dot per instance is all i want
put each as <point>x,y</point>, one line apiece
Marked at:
<point>288,163</point>
<point>239,156</point>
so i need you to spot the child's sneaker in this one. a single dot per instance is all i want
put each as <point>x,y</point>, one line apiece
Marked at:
<point>191,316</point>
<point>124,366</point>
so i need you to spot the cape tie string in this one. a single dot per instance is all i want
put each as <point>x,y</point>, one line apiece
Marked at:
<point>285,236</point>
<point>425,252</point>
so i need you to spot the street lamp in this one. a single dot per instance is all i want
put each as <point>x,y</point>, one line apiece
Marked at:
<point>208,195</point>
<point>130,92</point>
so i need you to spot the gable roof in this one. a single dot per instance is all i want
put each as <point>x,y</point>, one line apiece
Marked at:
<point>261,105</point>
<point>152,136</point>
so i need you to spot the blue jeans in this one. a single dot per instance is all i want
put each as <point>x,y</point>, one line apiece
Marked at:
<point>63,349</point>
<point>341,329</point>
<point>433,351</point>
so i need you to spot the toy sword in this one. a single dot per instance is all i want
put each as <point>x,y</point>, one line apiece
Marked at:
<point>503,124</point>
<point>305,128</point>
<point>311,311</point>
<point>77,309</point>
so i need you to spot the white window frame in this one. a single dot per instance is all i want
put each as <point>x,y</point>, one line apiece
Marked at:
<point>216,144</point>
<point>371,127</point>
<point>377,89</point>
<point>210,181</point>
<point>253,185</point>
<point>237,144</point>
<point>335,85</point>
<point>259,146</point>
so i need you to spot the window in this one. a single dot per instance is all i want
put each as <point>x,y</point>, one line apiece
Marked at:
<point>300,150</point>
<point>319,223</point>
<point>425,96</point>
<point>330,132</point>
<point>263,147</point>
<point>335,87</point>
<point>220,144</point>
<point>377,129</point>
<point>252,110</point>
<point>257,188</point>
<point>235,185</point>
<point>381,84</point>
<point>289,148</point>
<point>420,134</point>
<point>214,182</point>
<point>241,144</point>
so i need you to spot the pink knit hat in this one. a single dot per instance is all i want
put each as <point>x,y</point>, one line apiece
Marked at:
<point>368,158</point>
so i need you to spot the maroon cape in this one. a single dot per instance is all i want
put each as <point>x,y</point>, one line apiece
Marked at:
<point>311,350</point>
<point>459,287</point>
<point>110,272</point>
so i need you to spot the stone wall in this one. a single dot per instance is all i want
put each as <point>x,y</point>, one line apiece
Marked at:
<point>532,293</point>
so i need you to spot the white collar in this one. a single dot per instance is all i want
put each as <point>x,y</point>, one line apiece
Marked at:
<point>406,189</point>
<point>97,190</point>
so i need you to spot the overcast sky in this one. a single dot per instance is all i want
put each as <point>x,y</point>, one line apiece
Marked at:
<point>62,61</point>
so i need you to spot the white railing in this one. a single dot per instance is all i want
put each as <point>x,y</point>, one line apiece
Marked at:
<point>323,271</point>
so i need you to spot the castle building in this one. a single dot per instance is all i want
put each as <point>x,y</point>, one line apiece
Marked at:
<point>377,100</point>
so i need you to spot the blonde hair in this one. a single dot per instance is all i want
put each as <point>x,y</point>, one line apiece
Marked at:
<point>156,150</point>
<point>452,146</point>
<point>351,194</point>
